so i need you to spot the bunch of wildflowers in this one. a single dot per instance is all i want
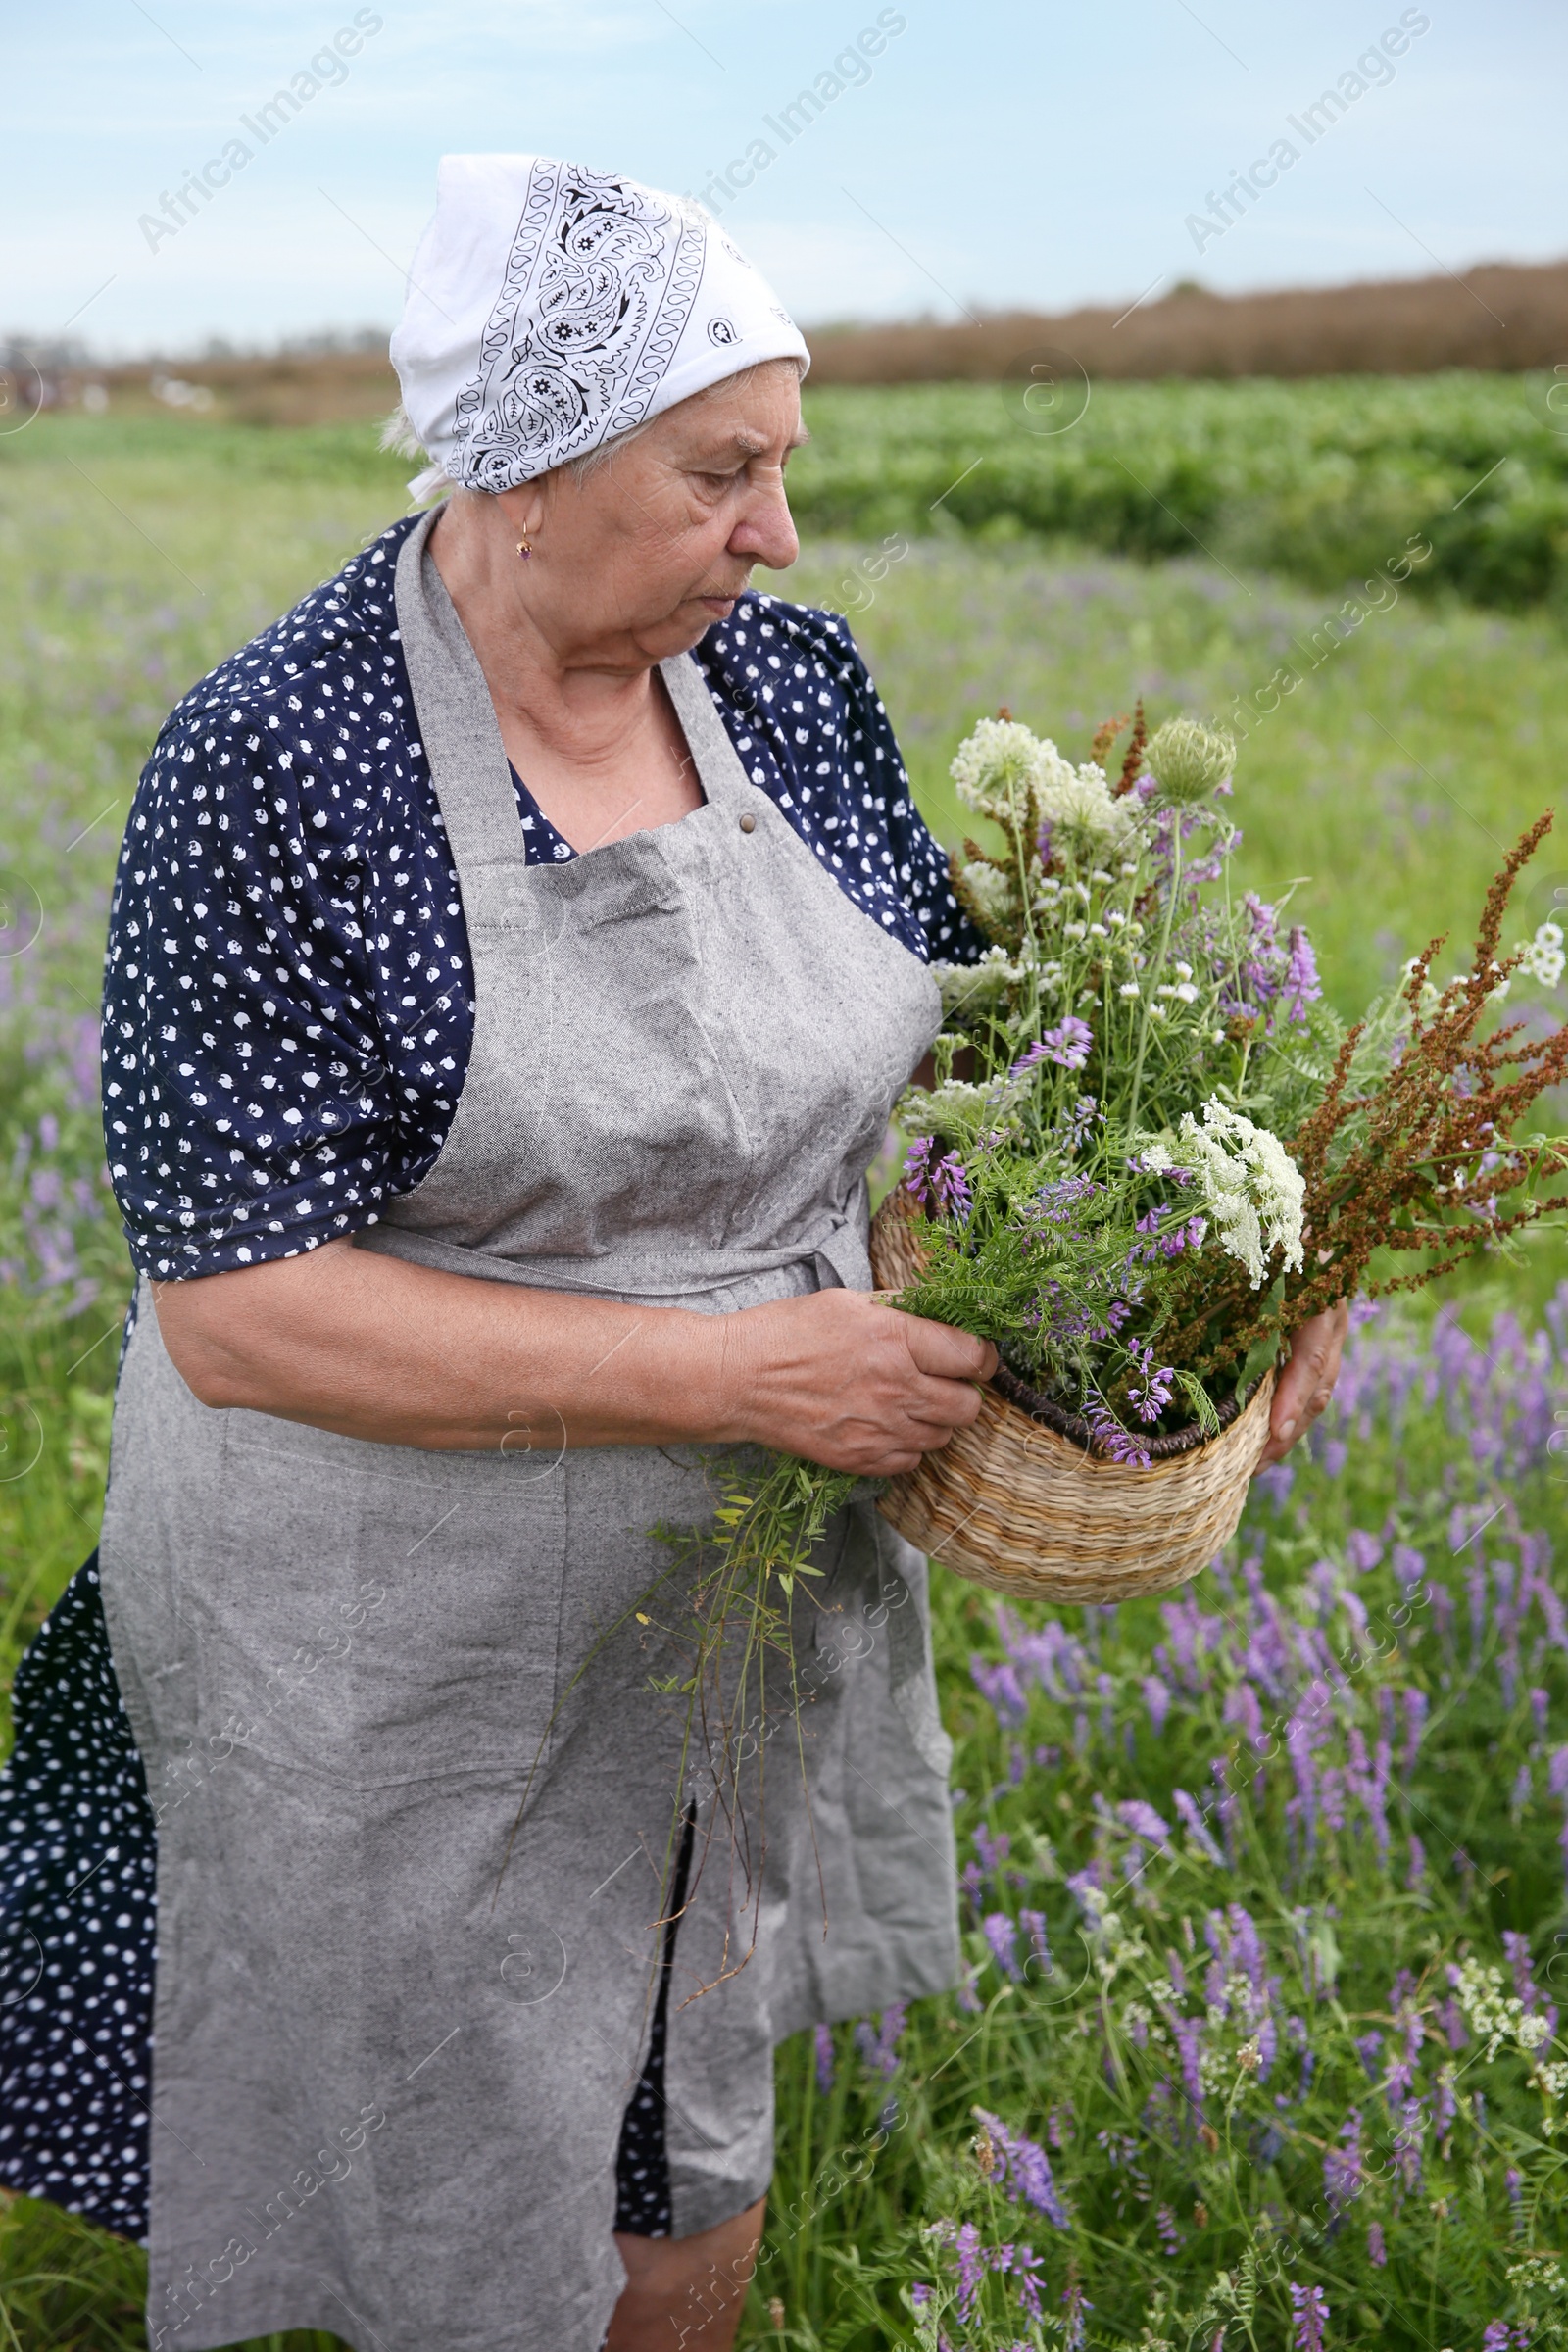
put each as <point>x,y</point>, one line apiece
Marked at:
<point>1151,1148</point>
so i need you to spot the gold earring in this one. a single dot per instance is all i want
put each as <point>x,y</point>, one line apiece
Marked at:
<point>524,549</point>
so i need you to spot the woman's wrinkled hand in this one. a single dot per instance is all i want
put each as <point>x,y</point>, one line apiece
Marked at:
<point>843,1379</point>
<point>1307,1381</point>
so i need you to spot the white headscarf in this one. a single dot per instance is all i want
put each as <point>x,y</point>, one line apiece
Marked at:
<point>551,308</point>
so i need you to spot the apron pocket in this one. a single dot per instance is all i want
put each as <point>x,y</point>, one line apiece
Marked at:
<point>378,1615</point>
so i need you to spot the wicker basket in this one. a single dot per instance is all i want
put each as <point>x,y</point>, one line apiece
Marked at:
<point>1018,1501</point>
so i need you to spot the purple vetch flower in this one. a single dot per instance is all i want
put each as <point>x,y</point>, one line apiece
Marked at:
<point>1170,2238</point>
<point>951,1186</point>
<point>998,1685</point>
<point>879,2050</point>
<point>1142,1821</point>
<point>1075,2326</point>
<point>1369,2049</point>
<point>1310,2307</point>
<point>1362,1551</point>
<point>1538,1707</point>
<point>1156,1699</point>
<point>1407,2142</point>
<point>1496,2336</point>
<point>1002,1935</point>
<point>1033,1923</point>
<point>971,2257</point>
<point>1024,2169</point>
<point>1416,1708</point>
<point>1150,1400</point>
<point>1192,1821</point>
<point>826,2059</point>
<point>1276,1481</point>
<point>1114,1442</point>
<point>1343,2174</point>
<point>1377,2253</point>
<point>1068,1044</point>
<point>1514,2182</point>
<point>1303,987</point>
<point>1187,2035</point>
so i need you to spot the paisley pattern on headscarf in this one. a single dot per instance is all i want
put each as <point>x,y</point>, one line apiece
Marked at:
<point>598,285</point>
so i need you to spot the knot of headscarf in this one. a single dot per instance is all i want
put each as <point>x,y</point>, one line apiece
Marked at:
<point>550,309</point>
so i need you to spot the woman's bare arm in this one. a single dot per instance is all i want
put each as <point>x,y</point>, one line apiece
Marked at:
<point>349,1339</point>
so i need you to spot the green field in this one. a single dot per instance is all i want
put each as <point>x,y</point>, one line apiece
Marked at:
<point>1389,779</point>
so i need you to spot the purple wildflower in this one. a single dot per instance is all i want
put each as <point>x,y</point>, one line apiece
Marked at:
<point>1342,2176</point>
<point>951,1187</point>
<point>1033,1923</point>
<point>1114,1442</point>
<point>1514,2182</point>
<point>1075,2326</point>
<point>1069,1043</point>
<point>1058,1199</point>
<point>1303,987</point>
<point>880,2049</point>
<point>826,2059</point>
<point>916,1166</point>
<point>1310,2307</point>
<point>1496,2336</point>
<point>1150,1400</point>
<point>1192,1821</point>
<point>1377,2253</point>
<point>1024,2168</point>
<point>1002,1935</point>
<point>1418,1863</point>
<point>1157,1699</point>
<point>1170,2238</point>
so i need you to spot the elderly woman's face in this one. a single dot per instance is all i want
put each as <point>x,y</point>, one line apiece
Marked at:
<point>658,542</point>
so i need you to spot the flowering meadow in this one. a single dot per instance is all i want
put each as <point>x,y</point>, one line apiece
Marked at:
<point>1264,1884</point>
<point>1265,1923</point>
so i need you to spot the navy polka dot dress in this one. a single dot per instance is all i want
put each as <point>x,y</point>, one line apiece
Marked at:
<point>288,1013</point>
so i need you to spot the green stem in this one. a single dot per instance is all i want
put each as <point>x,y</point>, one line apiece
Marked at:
<point>1160,966</point>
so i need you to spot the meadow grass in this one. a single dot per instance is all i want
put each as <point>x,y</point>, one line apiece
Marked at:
<point>1390,777</point>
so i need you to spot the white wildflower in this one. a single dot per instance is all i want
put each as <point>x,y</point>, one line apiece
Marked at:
<point>1494,2016</point>
<point>1080,798</point>
<point>996,769</point>
<point>1250,1186</point>
<point>970,987</point>
<point>1543,958</point>
<point>953,1109</point>
<point>990,889</point>
<point>1129,987</point>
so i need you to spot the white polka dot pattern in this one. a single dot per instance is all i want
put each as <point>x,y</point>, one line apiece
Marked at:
<point>77,1913</point>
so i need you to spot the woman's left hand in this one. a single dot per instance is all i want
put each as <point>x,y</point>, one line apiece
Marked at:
<point>1307,1381</point>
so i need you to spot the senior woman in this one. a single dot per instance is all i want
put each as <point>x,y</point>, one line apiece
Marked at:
<point>517,953</point>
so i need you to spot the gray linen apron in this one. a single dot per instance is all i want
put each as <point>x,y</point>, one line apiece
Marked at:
<point>391,2056</point>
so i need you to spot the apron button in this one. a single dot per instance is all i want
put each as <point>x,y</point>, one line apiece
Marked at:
<point>748,823</point>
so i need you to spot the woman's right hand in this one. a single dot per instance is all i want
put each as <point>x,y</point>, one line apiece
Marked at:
<point>844,1381</point>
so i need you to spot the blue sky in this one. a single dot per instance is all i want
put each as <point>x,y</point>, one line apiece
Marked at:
<point>996,155</point>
